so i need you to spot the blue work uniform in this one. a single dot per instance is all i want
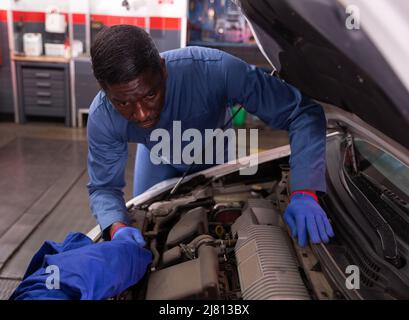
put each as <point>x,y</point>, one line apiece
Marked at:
<point>201,84</point>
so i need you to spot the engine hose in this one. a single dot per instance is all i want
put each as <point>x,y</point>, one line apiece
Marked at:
<point>160,221</point>
<point>227,243</point>
<point>156,255</point>
<point>202,239</point>
<point>173,213</point>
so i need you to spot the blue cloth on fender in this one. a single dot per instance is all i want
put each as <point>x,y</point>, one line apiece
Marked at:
<point>87,271</point>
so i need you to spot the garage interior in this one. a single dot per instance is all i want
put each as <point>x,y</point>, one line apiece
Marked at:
<point>43,147</point>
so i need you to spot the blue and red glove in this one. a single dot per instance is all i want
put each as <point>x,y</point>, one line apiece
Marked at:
<point>304,215</point>
<point>128,233</point>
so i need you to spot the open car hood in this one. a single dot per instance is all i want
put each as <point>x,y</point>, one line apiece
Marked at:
<point>364,71</point>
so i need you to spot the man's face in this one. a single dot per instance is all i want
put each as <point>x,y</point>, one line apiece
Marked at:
<point>140,100</point>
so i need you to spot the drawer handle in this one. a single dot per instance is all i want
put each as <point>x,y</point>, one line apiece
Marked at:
<point>42,75</point>
<point>43,94</point>
<point>43,84</point>
<point>44,102</point>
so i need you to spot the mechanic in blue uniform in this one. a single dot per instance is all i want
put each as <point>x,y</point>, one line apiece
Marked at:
<point>143,90</point>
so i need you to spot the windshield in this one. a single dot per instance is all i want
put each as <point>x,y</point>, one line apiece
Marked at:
<point>384,168</point>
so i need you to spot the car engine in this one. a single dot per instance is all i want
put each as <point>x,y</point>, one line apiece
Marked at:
<point>221,239</point>
<point>222,236</point>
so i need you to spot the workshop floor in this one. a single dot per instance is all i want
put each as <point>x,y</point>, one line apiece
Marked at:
<point>43,193</point>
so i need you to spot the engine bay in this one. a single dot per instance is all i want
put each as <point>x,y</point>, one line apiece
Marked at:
<point>228,251</point>
<point>222,238</point>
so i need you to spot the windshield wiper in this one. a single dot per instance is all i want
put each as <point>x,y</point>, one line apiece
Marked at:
<point>387,195</point>
<point>351,147</point>
<point>356,184</point>
<point>397,204</point>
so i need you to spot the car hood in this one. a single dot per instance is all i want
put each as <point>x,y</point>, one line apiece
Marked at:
<point>364,71</point>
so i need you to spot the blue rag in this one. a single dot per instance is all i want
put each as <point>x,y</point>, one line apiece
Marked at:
<point>78,269</point>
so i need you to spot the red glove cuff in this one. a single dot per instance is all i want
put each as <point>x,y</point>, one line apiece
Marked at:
<point>116,228</point>
<point>305,192</point>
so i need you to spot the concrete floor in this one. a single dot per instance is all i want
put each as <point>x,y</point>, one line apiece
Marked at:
<point>43,192</point>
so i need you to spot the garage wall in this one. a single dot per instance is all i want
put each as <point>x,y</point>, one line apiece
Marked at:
<point>164,19</point>
<point>6,91</point>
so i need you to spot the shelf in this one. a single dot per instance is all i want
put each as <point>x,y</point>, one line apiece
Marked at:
<point>41,59</point>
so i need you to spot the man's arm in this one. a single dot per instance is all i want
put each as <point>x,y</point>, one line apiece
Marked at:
<point>107,156</point>
<point>282,106</point>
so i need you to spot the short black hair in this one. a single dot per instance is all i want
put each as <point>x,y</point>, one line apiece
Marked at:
<point>122,53</point>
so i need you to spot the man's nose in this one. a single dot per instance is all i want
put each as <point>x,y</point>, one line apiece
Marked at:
<point>140,114</point>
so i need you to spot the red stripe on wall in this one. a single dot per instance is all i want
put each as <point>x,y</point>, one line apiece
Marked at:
<point>29,16</point>
<point>3,15</point>
<point>34,17</point>
<point>165,23</point>
<point>3,18</point>
<point>160,23</point>
<point>78,18</point>
<point>115,20</point>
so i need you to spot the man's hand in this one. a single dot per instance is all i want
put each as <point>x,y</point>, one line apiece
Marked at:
<point>130,234</point>
<point>305,214</point>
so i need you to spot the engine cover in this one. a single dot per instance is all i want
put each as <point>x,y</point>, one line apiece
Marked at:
<point>266,262</point>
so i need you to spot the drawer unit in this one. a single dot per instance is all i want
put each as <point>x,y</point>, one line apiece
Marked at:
<point>43,84</point>
<point>6,88</point>
<point>54,103</point>
<point>41,111</point>
<point>86,87</point>
<point>43,90</point>
<point>43,74</point>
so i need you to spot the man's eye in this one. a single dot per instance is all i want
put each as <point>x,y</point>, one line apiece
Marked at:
<point>123,104</point>
<point>150,95</point>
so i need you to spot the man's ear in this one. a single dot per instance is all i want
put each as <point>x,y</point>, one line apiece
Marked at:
<point>103,86</point>
<point>164,70</point>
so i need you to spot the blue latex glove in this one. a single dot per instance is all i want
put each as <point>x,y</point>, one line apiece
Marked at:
<point>305,214</point>
<point>130,234</point>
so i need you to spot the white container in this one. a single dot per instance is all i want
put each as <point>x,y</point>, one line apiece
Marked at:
<point>55,49</point>
<point>33,44</point>
<point>55,23</point>
<point>77,48</point>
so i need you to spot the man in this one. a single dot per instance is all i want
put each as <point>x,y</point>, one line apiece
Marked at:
<point>142,91</point>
